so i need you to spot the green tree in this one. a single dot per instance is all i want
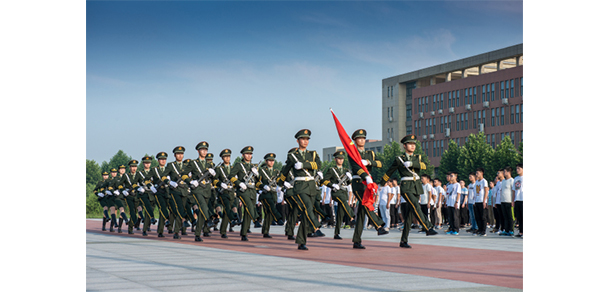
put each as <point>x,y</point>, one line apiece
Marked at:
<point>505,155</point>
<point>424,158</point>
<point>390,151</point>
<point>449,160</point>
<point>474,154</point>
<point>93,172</point>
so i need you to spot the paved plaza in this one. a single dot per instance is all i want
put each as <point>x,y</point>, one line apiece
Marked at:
<point>122,262</point>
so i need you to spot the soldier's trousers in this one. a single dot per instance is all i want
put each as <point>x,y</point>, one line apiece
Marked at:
<point>133,214</point>
<point>248,200</point>
<point>203,212</point>
<point>343,208</point>
<point>177,207</point>
<point>270,211</point>
<point>188,202</point>
<point>358,189</point>
<point>309,222</point>
<point>147,208</point>
<point>161,199</point>
<point>413,210</point>
<point>293,213</point>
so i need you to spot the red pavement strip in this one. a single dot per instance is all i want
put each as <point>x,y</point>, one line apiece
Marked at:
<point>490,267</point>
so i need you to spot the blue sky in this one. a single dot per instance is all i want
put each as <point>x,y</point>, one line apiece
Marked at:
<point>162,74</point>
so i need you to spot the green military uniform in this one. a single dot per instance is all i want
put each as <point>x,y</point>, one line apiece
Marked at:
<point>139,183</point>
<point>267,182</point>
<point>125,186</point>
<point>226,197</point>
<point>145,194</point>
<point>119,200</point>
<point>99,190</point>
<point>358,189</point>
<point>178,191</point>
<point>188,201</point>
<point>213,203</point>
<point>202,174</point>
<point>243,179</point>
<point>293,209</point>
<point>160,191</point>
<point>332,179</point>
<point>409,167</point>
<point>304,164</point>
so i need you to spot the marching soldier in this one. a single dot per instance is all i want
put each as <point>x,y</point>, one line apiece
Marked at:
<point>200,182</point>
<point>369,161</point>
<point>178,191</point>
<point>304,164</point>
<point>126,188</point>
<point>243,175</point>
<point>99,190</point>
<point>213,204</point>
<point>120,201</point>
<point>161,191</point>
<point>409,166</point>
<point>268,181</point>
<point>145,182</point>
<point>139,182</point>
<point>338,178</point>
<point>226,196</point>
<point>112,201</point>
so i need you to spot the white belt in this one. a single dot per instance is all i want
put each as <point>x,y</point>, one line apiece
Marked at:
<point>303,178</point>
<point>356,177</point>
<point>407,178</point>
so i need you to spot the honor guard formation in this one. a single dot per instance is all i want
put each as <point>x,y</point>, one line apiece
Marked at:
<point>198,194</point>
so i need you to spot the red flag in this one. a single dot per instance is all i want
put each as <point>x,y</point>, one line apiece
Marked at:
<point>368,198</point>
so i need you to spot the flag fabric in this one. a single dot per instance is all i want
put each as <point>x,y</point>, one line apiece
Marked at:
<point>368,198</point>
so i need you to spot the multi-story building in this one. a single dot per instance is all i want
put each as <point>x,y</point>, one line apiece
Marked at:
<point>370,144</point>
<point>482,93</point>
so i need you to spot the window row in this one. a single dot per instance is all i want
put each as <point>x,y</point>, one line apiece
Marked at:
<point>469,95</point>
<point>437,148</point>
<point>498,117</point>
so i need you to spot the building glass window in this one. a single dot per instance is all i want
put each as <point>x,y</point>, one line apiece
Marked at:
<point>506,90</point>
<point>449,125</point>
<point>457,99</point>
<point>493,91</point>
<point>512,87</point>
<point>521,113</point>
<point>487,97</point>
<point>501,89</point>
<point>426,109</point>
<point>521,83</point>
<point>441,101</point>
<point>466,121</point>
<point>485,124</point>
<point>493,115</point>
<point>512,114</point>
<point>474,95</point>
<point>516,114</point>
<point>493,140</point>
<point>483,93</point>
<point>502,117</point>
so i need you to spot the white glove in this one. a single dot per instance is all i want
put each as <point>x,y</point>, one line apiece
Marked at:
<point>108,193</point>
<point>255,171</point>
<point>408,164</point>
<point>173,184</point>
<point>336,187</point>
<point>211,171</point>
<point>267,188</point>
<point>100,195</point>
<point>298,165</point>
<point>153,189</point>
<point>349,175</point>
<point>194,183</point>
<point>125,193</point>
<point>141,190</point>
<point>369,180</point>
<point>224,186</point>
<point>116,192</point>
<point>242,186</point>
<point>287,185</point>
<point>320,174</point>
<point>365,162</point>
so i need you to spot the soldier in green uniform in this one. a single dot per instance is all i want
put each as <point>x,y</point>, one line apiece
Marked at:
<point>145,193</point>
<point>243,176</point>
<point>120,200</point>
<point>160,190</point>
<point>267,181</point>
<point>337,178</point>
<point>113,204</point>
<point>139,182</point>
<point>99,190</point>
<point>213,204</point>
<point>174,176</point>
<point>304,164</point>
<point>125,186</point>
<point>226,197</point>
<point>202,174</point>
<point>360,176</point>
<point>409,166</point>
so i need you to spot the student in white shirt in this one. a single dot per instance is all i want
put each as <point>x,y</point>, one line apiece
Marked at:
<point>453,203</point>
<point>497,204</point>
<point>506,199</point>
<point>384,204</point>
<point>281,204</point>
<point>463,204</point>
<point>440,198</point>
<point>473,221</point>
<point>480,201</point>
<point>424,199</point>
<point>393,202</point>
<point>518,201</point>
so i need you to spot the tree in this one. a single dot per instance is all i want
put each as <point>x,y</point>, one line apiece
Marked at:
<point>390,151</point>
<point>449,161</point>
<point>93,172</point>
<point>474,154</point>
<point>505,155</point>
<point>424,158</point>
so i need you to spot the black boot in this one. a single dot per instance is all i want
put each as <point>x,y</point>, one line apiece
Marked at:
<point>302,247</point>
<point>113,221</point>
<point>358,245</point>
